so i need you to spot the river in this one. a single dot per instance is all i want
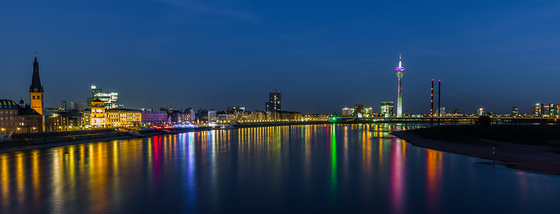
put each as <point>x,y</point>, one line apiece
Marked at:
<point>280,169</point>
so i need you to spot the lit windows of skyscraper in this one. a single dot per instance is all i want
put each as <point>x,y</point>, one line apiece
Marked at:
<point>274,101</point>
<point>62,105</point>
<point>441,111</point>
<point>387,108</point>
<point>347,111</point>
<point>553,110</point>
<point>110,99</point>
<point>514,111</point>
<point>368,111</point>
<point>536,110</point>
<point>546,111</point>
<point>358,110</point>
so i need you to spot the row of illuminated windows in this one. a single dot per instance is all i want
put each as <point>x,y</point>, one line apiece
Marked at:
<point>7,124</point>
<point>6,107</point>
<point>119,115</point>
<point>123,115</point>
<point>7,118</point>
<point>97,111</point>
<point>117,120</point>
<point>8,112</point>
<point>29,122</point>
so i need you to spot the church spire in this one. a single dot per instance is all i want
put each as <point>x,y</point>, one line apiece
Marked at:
<point>36,80</point>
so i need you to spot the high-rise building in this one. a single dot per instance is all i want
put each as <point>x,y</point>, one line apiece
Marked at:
<point>545,110</point>
<point>191,115</point>
<point>480,111</point>
<point>553,110</point>
<point>514,111</point>
<point>62,105</point>
<point>347,111</point>
<point>358,110</point>
<point>110,99</point>
<point>457,112</point>
<point>440,111</point>
<point>212,116</point>
<point>368,110</point>
<point>95,90</point>
<point>387,108</point>
<point>36,89</point>
<point>400,72</point>
<point>274,101</point>
<point>536,110</point>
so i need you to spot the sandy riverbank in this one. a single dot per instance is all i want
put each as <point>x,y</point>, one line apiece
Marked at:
<point>544,158</point>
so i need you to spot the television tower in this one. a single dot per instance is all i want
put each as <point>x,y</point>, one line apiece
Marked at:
<point>400,72</point>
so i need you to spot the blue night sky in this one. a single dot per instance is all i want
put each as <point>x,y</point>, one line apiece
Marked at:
<point>322,55</point>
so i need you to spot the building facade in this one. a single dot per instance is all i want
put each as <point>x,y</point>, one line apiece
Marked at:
<point>212,116</point>
<point>179,117</point>
<point>274,101</point>
<point>358,110</point>
<point>8,116</point>
<point>536,110</point>
<point>19,118</point>
<point>285,116</point>
<point>29,120</point>
<point>122,118</point>
<point>514,111</point>
<point>347,112</point>
<point>154,117</point>
<point>97,115</point>
<point>387,108</point>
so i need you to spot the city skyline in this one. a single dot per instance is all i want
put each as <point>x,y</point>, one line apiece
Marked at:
<point>319,70</point>
<point>97,92</point>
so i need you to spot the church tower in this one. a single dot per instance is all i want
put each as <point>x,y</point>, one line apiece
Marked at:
<point>36,89</point>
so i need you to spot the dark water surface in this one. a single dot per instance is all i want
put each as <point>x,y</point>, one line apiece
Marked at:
<point>283,169</point>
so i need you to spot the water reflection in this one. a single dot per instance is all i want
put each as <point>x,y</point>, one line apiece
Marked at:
<point>5,200</point>
<point>433,163</point>
<point>304,168</point>
<point>333,157</point>
<point>398,170</point>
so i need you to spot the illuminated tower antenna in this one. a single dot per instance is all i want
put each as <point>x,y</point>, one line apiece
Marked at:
<point>400,72</point>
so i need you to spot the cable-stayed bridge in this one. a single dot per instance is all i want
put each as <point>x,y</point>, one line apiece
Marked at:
<point>435,102</point>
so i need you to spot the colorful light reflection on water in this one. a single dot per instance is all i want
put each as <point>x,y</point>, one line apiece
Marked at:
<point>307,168</point>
